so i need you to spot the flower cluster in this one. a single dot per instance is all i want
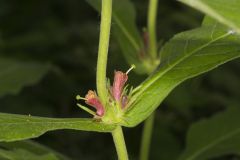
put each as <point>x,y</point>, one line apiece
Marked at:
<point>117,94</point>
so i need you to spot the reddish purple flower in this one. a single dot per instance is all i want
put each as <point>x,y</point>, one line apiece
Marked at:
<point>124,101</point>
<point>93,100</point>
<point>146,40</point>
<point>120,79</point>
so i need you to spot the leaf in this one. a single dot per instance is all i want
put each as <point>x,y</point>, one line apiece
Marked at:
<point>186,55</point>
<point>225,11</point>
<point>18,127</point>
<point>31,146</point>
<point>212,137</point>
<point>20,154</point>
<point>125,31</point>
<point>14,75</point>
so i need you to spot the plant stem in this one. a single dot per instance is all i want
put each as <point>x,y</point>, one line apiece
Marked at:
<point>148,124</point>
<point>152,15</point>
<point>106,15</point>
<point>105,26</point>
<point>146,137</point>
<point>119,142</point>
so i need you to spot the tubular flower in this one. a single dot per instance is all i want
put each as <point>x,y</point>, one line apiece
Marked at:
<point>120,79</point>
<point>93,100</point>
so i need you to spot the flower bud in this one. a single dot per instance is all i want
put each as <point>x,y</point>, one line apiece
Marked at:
<point>124,101</point>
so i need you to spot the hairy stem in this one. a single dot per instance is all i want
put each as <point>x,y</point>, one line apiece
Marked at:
<point>119,142</point>
<point>106,15</point>
<point>152,15</point>
<point>146,137</point>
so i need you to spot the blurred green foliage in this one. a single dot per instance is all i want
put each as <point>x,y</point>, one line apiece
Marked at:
<point>65,35</point>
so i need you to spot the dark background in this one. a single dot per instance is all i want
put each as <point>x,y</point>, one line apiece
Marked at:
<point>65,34</point>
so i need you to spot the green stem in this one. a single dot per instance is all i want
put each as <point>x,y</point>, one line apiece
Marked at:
<point>146,137</point>
<point>148,124</point>
<point>105,26</point>
<point>119,142</point>
<point>103,49</point>
<point>152,15</point>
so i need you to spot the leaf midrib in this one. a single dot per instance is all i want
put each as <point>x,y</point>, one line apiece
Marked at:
<point>30,122</point>
<point>161,74</point>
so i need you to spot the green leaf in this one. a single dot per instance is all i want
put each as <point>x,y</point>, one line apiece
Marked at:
<point>33,147</point>
<point>186,55</point>
<point>125,31</point>
<point>19,127</point>
<point>225,11</point>
<point>213,137</point>
<point>14,75</point>
<point>20,154</point>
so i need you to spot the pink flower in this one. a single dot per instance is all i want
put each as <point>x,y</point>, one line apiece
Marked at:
<point>146,40</point>
<point>93,100</point>
<point>124,101</point>
<point>120,79</point>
